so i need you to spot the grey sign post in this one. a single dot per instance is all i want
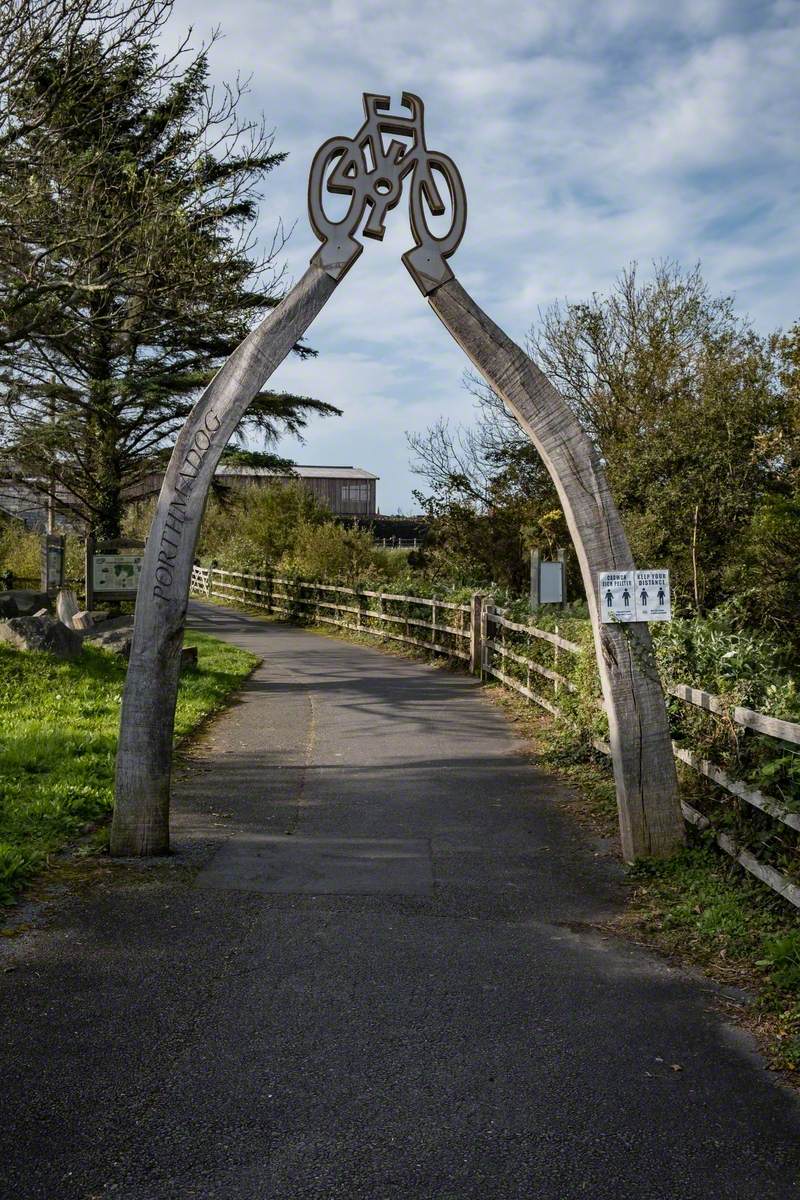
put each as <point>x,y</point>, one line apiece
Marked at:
<point>548,580</point>
<point>52,562</point>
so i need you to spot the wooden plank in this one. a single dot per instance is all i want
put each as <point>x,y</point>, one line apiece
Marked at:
<point>785,731</point>
<point>772,807</point>
<point>545,672</point>
<point>446,652</point>
<point>144,751</point>
<point>644,769</point>
<point>411,599</point>
<point>766,874</point>
<point>698,697</point>
<point>392,617</point>
<point>544,634</point>
<point>515,684</point>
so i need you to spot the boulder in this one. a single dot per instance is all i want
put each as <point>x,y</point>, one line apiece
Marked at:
<point>114,641</point>
<point>28,602</point>
<point>41,633</point>
<point>8,605</point>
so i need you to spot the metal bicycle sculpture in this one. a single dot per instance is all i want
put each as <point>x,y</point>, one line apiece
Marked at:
<point>372,173</point>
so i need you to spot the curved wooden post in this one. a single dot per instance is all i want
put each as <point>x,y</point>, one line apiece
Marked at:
<point>144,755</point>
<point>650,817</point>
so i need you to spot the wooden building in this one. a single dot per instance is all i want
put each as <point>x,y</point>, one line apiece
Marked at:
<point>346,491</point>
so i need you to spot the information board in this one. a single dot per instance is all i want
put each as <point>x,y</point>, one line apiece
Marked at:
<point>52,562</point>
<point>116,572</point>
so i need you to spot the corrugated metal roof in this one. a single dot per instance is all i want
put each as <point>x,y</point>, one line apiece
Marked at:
<point>301,471</point>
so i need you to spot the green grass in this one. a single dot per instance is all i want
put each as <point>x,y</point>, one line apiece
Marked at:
<point>697,907</point>
<point>701,909</point>
<point>58,737</point>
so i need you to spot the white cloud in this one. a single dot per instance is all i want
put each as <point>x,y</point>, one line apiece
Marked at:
<point>588,133</point>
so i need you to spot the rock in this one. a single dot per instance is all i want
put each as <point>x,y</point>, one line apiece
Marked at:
<point>41,633</point>
<point>8,605</point>
<point>113,641</point>
<point>188,657</point>
<point>99,615</point>
<point>28,602</point>
<point>66,606</point>
<point>83,620</point>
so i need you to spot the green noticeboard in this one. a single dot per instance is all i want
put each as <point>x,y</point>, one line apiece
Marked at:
<point>116,573</point>
<point>112,570</point>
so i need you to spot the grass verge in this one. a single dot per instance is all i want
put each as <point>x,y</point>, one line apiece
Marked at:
<point>697,907</point>
<point>58,739</point>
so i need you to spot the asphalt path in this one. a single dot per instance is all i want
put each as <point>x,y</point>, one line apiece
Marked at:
<point>371,970</point>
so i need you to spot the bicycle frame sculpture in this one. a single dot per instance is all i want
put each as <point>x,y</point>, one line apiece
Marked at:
<point>372,173</point>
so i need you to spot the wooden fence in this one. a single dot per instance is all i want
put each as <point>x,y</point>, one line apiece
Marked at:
<point>481,635</point>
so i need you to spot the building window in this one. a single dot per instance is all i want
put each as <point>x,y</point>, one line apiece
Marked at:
<point>355,493</point>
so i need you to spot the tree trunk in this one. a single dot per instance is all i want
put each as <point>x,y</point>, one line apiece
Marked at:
<point>144,756</point>
<point>650,817</point>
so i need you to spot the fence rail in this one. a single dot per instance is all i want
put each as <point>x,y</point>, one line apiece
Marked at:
<point>478,634</point>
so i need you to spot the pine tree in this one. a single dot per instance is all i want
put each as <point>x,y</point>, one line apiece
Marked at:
<point>128,268</point>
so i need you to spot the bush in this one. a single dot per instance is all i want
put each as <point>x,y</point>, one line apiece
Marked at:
<point>21,553</point>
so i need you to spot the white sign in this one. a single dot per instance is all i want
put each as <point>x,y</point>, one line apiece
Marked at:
<point>634,596</point>
<point>116,572</point>
<point>653,599</point>
<point>617,596</point>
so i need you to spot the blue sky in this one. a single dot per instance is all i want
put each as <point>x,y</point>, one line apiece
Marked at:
<point>588,133</point>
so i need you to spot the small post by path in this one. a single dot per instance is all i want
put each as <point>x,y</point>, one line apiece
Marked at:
<point>535,563</point>
<point>475,644</point>
<point>487,606</point>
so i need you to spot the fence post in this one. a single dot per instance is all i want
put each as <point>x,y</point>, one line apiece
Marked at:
<point>555,656</point>
<point>487,607</point>
<point>89,571</point>
<point>536,561</point>
<point>475,626</point>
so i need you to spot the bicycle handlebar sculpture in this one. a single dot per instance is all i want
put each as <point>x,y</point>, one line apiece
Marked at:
<point>372,173</point>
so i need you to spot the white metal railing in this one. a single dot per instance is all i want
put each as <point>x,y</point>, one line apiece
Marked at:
<point>450,627</point>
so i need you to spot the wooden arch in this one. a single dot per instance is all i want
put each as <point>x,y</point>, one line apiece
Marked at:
<point>372,174</point>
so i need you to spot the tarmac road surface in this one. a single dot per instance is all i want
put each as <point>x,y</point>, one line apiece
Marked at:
<point>370,972</point>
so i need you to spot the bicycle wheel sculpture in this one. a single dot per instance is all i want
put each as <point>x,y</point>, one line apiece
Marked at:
<point>372,168</point>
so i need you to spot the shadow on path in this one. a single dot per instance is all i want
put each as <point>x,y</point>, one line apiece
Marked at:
<point>472,1036</point>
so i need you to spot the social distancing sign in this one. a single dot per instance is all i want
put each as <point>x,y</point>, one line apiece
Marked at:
<point>617,600</point>
<point>626,596</point>
<point>653,599</point>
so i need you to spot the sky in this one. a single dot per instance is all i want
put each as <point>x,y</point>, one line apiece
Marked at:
<point>588,133</point>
